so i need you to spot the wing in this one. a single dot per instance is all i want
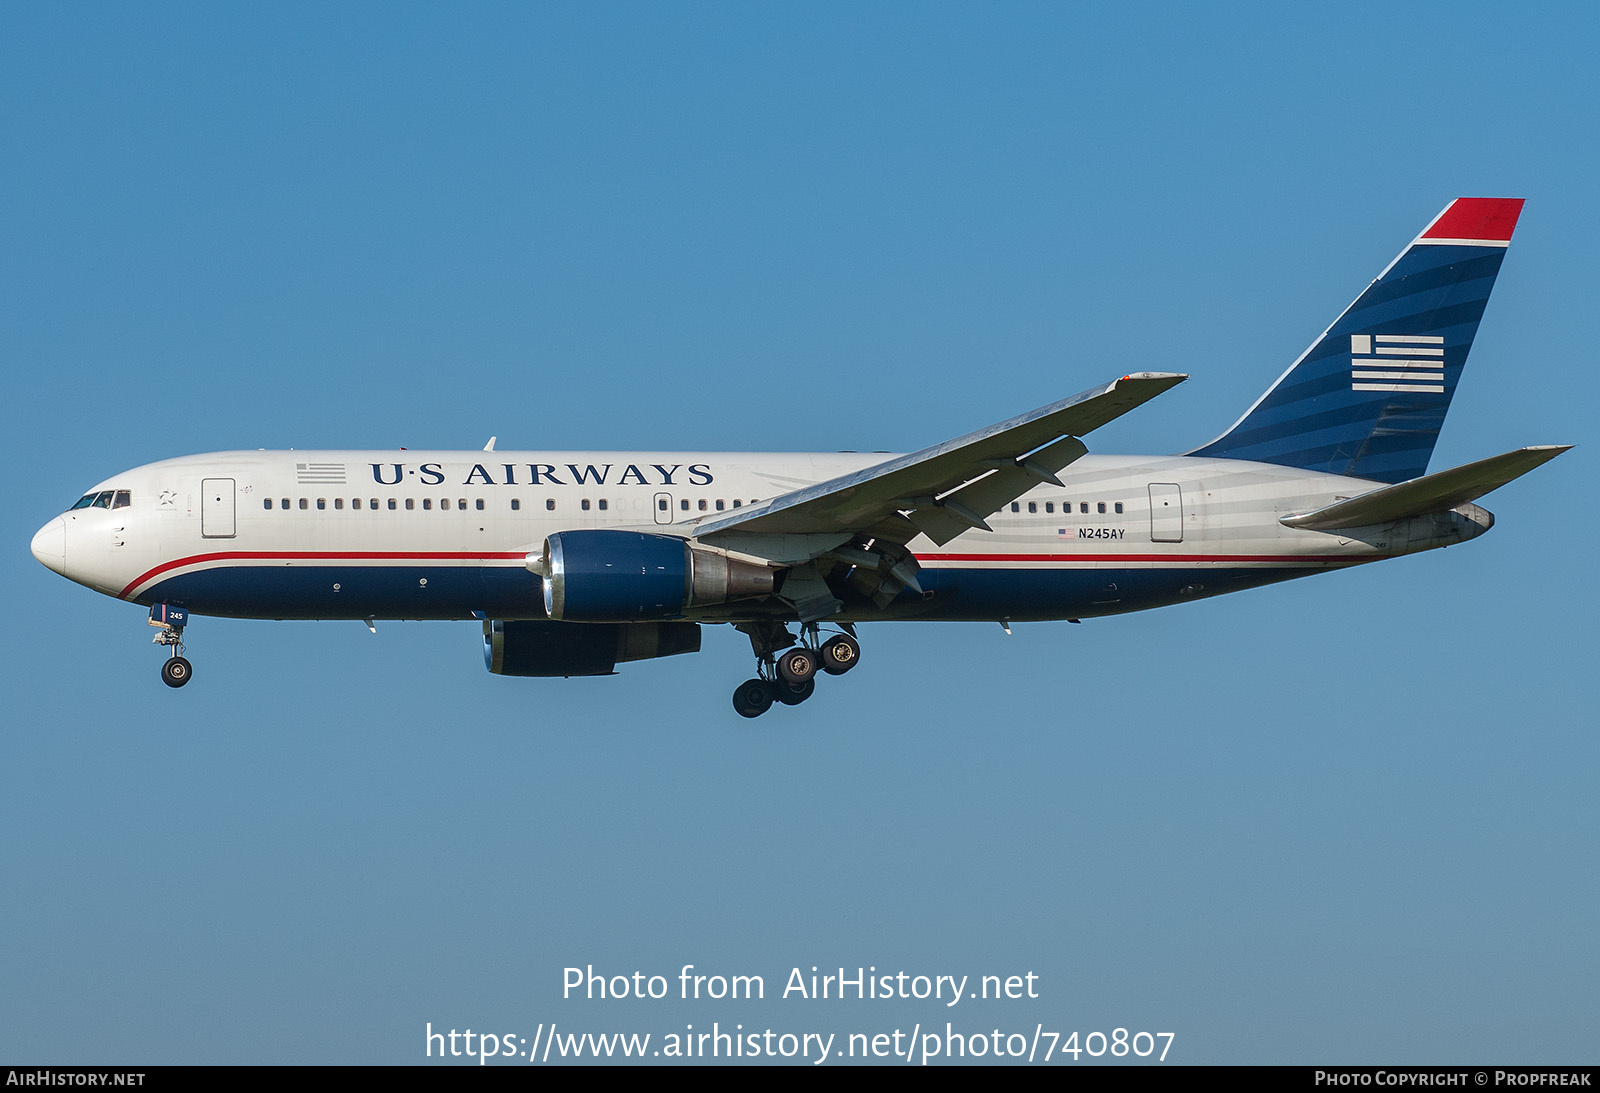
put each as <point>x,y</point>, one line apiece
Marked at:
<point>951,487</point>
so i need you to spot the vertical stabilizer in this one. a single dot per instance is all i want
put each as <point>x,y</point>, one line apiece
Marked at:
<point>1369,397</point>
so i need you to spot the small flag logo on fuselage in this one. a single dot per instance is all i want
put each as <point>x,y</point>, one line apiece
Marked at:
<point>329,474</point>
<point>1397,362</point>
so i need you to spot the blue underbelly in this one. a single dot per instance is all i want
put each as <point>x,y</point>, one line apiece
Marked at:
<point>457,592</point>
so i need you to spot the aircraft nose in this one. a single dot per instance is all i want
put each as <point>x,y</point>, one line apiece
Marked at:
<point>50,545</point>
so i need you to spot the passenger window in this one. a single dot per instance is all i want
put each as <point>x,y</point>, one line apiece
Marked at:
<point>684,504</point>
<point>373,504</point>
<point>1083,506</point>
<point>266,503</point>
<point>549,504</point>
<point>392,505</point>
<point>1119,506</point>
<point>1049,506</point>
<point>480,504</point>
<point>462,504</point>
<point>720,505</point>
<point>427,504</point>
<point>355,502</point>
<point>411,504</point>
<point>584,504</point>
<point>304,503</point>
<point>1016,506</point>
<point>516,503</point>
<point>284,504</point>
<point>338,502</point>
<point>737,503</point>
<point>1033,506</point>
<point>702,504</point>
<point>322,503</point>
<point>1102,507</point>
<point>602,504</point>
<point>444,504</point>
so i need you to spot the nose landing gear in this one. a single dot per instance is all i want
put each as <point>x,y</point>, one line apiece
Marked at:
<point>790,678</point>
<point>176,671</point>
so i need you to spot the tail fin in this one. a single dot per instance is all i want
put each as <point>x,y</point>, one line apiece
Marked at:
<point>1368,398</point>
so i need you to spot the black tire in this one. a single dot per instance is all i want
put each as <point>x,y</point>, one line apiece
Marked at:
<point>176,672</point>
<point>840,654</point>
<point>791,694</point>
<point>797,665</point>
<point>753,697</point>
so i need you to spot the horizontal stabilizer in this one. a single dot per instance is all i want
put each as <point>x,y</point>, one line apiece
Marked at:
<point>1430,493</point>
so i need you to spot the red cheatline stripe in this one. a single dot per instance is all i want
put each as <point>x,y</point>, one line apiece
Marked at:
<point>467,555</point>
<point>1491,219</point>
<point>332,555</point>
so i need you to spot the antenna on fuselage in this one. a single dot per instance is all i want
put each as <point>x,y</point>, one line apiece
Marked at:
<point>489,447</point>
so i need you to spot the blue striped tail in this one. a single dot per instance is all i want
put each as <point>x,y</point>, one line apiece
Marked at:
<point>1369,397</point>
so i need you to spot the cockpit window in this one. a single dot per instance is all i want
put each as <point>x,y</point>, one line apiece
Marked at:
<point>122,500</point>
<point>101,500</point>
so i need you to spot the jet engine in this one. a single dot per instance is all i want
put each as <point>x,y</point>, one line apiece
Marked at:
<point>539,648</point>
<point>630,576</point>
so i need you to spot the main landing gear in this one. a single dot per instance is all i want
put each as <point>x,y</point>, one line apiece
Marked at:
<point>790,678</point>
<point>177,670</point>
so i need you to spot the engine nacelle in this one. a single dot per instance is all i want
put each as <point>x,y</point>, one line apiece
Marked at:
<point>631,576</point>
<point>538,648</point>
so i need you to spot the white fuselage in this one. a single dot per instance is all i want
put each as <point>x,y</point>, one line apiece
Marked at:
<point>448,534</point>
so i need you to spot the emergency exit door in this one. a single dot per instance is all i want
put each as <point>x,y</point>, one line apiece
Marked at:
<point>216,508</point>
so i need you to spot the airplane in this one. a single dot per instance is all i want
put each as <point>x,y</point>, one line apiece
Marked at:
<point>575,562</point>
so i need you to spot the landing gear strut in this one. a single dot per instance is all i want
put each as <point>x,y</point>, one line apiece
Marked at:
<point>790,677</point>
<point>176,671</point>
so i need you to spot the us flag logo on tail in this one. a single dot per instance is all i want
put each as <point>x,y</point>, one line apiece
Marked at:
<point>1397,362</point>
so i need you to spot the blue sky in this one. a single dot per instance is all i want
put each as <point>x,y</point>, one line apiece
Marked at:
<point>1346,819</point>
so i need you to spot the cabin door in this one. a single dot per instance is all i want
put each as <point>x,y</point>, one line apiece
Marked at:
<point>216,508</point>
<point>1166,513</point>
